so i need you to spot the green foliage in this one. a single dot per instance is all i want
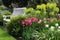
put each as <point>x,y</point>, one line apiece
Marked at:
<point>25,3</point>
<point>47,26</point>
<point>1,20</point>
<point>38,31</point>
<point>33,3</point>
<point>43,33</point>
<point>2,7</point>
<point>7,13</point>
<point>4,10</point>
<point>52,9</point>
<point>43,10</point>
<point>14,27</point>
<point>27,33</point>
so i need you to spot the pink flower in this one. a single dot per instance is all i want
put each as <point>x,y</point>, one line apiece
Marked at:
<point>30,24</point>
<point>22,22</point>
<point>32,18</point>
<point>59,16</point>
<point>36,20</point>
<point>28,21</point>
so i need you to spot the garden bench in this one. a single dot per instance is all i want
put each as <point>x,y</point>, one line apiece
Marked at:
<point>16,12</point>
<point>5,19</point>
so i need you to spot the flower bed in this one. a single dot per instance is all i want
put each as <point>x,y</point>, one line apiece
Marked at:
<point>38,24</point>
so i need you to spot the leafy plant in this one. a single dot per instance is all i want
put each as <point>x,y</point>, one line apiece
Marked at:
<point>7,13</point>
<point>14,27</point>
<point>38,24</point>
<point>44,10</point>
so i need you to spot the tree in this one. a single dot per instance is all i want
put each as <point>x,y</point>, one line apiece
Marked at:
<point>21,3</point>
<point>25,3</point>
<point>1,2</point>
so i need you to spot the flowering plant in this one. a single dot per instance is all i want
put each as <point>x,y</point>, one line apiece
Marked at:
<point>39,23</point>
<point>29,21</point>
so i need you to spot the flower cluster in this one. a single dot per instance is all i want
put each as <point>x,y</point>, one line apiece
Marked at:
<point>52,28</point>
<point>29,21</point>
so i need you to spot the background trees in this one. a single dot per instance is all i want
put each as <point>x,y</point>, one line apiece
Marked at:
<point>20,3</point>
<point>25,3</point>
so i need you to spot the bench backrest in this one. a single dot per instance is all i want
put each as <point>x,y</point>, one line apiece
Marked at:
<point>18,11</point>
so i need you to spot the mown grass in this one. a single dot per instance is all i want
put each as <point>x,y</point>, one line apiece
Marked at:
<point>5,36</point>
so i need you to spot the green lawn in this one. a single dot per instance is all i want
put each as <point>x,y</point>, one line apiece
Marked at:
<point>5,36</point>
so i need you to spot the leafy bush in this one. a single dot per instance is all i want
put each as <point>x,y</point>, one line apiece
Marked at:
<point>38,24</point>
<point>2,7</point>
<point>4,10</point>
<point>1,20</point>
<point>19,25</point>
<point>14,27</point>
<point>25,3</point>
<point>33,28</point>
<point>47,28</point>
<point>41,31</point>
<point>43,10</point>
<point>7,13</point>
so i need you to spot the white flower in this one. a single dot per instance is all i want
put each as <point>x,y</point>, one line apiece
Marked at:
<point>59,28</point>
<point>52,28</point>
<point>47,25</point>
<point>56,24</point>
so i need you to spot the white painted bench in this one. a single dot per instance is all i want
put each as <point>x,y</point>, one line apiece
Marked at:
<point>5,20</point>
<point>16,12</point>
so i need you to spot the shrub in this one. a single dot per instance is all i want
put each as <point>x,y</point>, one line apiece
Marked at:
<point>18,25</point>
<point>2,7</point>
<point>38,24</point>
<point>43,10</point>
<point>14,27</point>
<point>42,31</point>
<point>33,28</point>
<point>7,13</point>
